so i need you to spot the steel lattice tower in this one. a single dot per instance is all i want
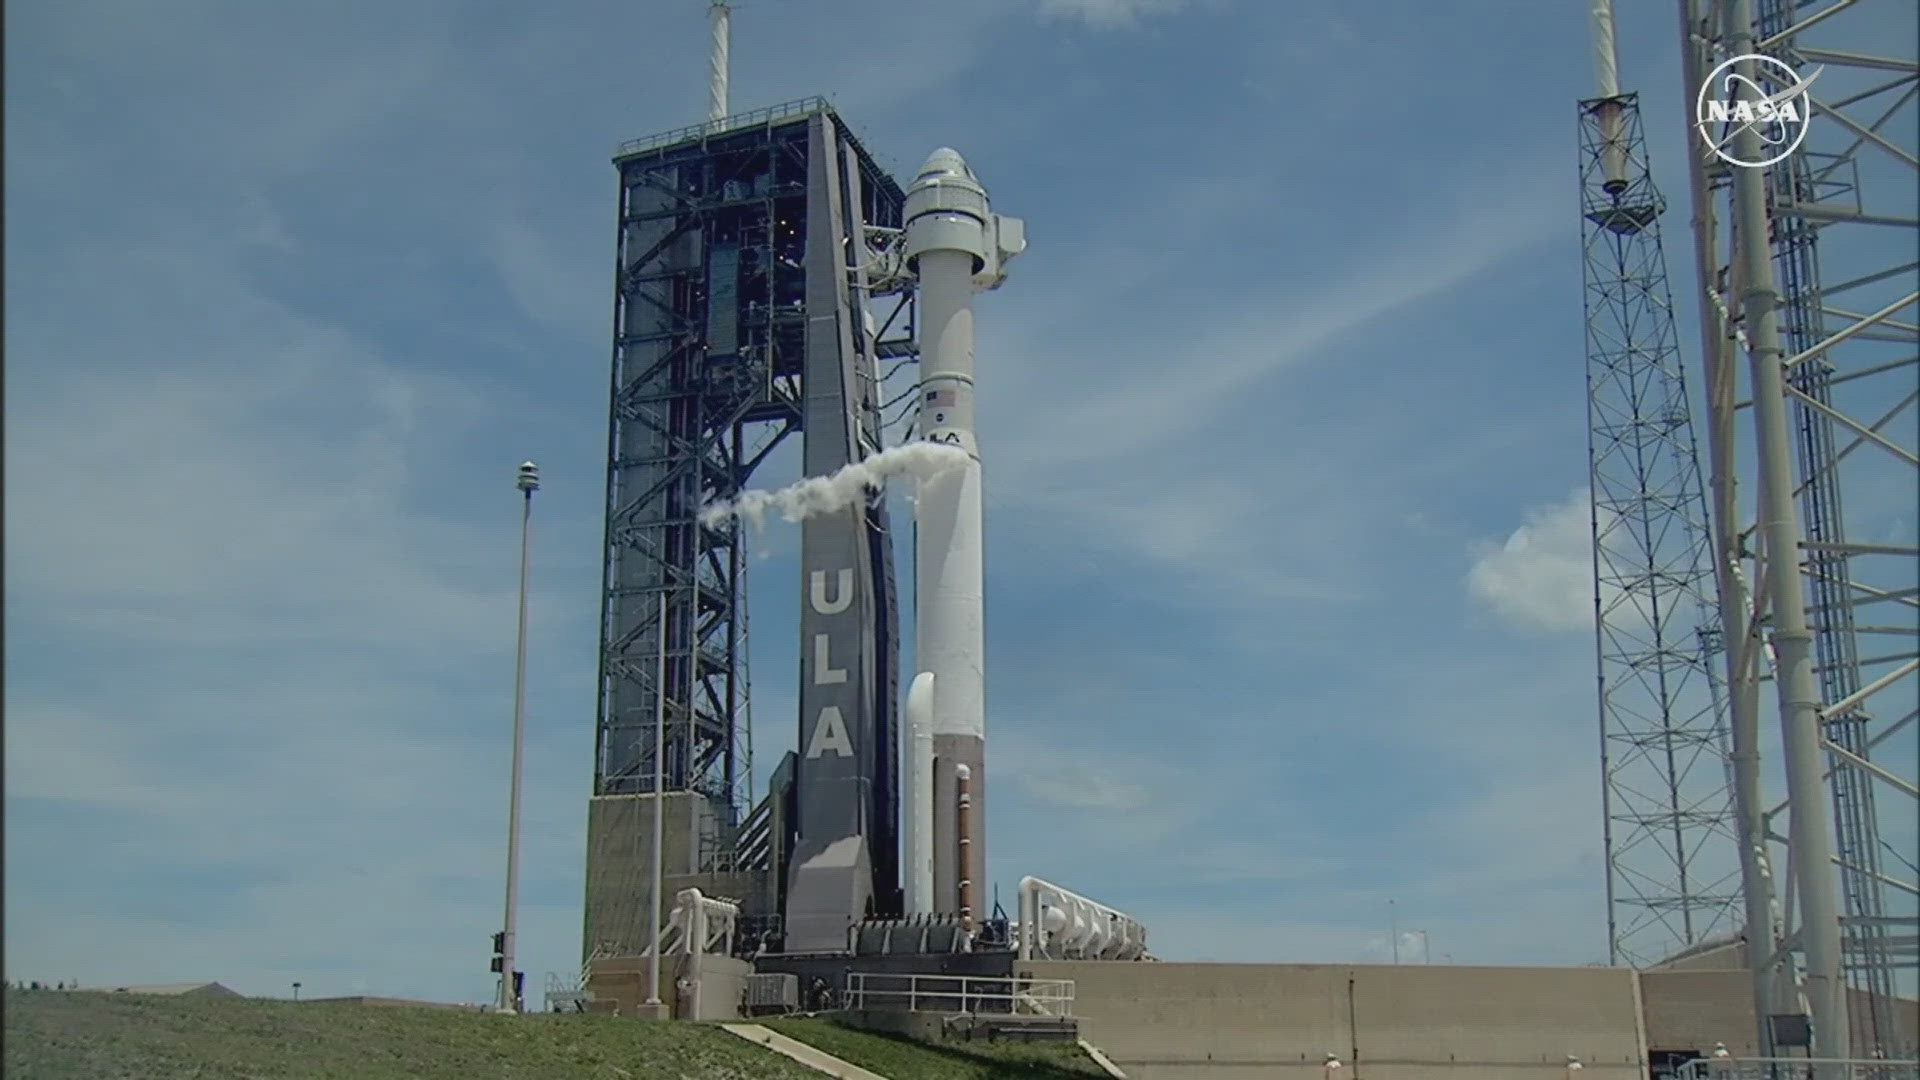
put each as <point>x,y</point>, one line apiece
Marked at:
<point>1672,879</point>
<point>741,316</point>
<point>1807,279</point>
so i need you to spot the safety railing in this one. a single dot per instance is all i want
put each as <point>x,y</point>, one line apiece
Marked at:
<point>1798,1068</point>
<point>566,993</point>
<point>798,107</point>
<point>971,994</point>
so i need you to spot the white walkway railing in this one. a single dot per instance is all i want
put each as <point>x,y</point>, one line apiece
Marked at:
<point>1799,1068</point>
<point>961,994</point>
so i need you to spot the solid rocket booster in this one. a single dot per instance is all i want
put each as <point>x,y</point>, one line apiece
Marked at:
<point>918,798</point>
<point>956,246</point>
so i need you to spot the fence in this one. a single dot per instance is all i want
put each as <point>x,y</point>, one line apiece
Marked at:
<point>961,994</point>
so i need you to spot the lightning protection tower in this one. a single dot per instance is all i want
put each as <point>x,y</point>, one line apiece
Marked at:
<point>1807,280</point>
<point>1672,870</point>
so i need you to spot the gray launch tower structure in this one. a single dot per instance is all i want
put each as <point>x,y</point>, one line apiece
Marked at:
<point>743,314</point>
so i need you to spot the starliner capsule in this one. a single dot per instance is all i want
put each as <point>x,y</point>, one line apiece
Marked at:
<point>956,246</point>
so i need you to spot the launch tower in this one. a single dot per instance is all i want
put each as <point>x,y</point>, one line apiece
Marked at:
<point>742,315</point>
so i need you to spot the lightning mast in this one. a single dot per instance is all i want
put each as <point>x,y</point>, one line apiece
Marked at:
<point>1672,867</point>
<point>1806,266</point>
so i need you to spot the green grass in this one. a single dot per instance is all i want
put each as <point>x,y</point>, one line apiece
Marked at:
<point>904,1059</point>
<point>55,1035</point>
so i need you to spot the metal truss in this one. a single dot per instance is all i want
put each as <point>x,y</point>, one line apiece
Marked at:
<point>1672,872</point>
<point>708,379</point>
<point>1808,273</point>
<point>706,382</point>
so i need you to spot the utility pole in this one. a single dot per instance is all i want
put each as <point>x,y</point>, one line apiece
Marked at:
<point>659,804</point>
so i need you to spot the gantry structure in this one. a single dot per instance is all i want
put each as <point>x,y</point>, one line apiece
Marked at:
<point>743,314</point>
<point>1806,287</point>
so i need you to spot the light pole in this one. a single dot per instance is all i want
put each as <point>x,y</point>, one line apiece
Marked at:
<point>528,482</point>
<point>659,803</point>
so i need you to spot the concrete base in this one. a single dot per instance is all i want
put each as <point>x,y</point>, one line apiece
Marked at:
<point>1247,1021</point>
<point>621,983</point>
<point>829,972</point>
<point>620,869</point>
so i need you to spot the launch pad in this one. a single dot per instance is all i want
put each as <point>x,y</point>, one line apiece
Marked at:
<point>767,268</point>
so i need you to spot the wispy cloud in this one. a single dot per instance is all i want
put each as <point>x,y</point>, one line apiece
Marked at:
<point>1110,13</point>
<point>1542,574</point>
<point>567,292</point>
<point>1206,367</point>
<point>257,485</point>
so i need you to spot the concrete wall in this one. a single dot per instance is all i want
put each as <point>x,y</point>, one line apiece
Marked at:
<point>1693,1009</point>
<point>622,981</point>
<point>620,868</point>
<point>1690,1009</point>
<point>1906,1020</point>
<point>723,985</point>
<point>1233,1021</point>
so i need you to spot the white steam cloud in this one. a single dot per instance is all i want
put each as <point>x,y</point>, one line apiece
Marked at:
<point>848,485</point>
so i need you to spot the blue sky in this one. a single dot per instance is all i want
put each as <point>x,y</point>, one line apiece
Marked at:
<point>291,290</point>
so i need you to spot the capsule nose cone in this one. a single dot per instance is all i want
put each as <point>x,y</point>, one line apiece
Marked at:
<point>946,161</point>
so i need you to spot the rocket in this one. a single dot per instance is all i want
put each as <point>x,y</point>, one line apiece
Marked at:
<point>955,246</point>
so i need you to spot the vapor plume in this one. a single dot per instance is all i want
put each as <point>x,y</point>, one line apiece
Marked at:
<point>848,485</point>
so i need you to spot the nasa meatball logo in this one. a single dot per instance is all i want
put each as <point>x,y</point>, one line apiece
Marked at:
<point>1775,105</point>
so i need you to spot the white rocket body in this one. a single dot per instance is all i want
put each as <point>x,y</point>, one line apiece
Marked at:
<point>956,246</point>
<point>918,877</point>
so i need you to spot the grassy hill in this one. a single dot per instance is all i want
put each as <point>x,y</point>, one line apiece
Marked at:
<point>56,1035</point>
<point>60,1035</point>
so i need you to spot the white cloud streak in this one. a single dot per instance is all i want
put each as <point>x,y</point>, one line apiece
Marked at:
<point>1110,13</point>
<point>1186,381</point>
<point>169,497</point>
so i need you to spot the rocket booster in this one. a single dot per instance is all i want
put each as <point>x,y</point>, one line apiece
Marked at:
<point>956,246</point>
